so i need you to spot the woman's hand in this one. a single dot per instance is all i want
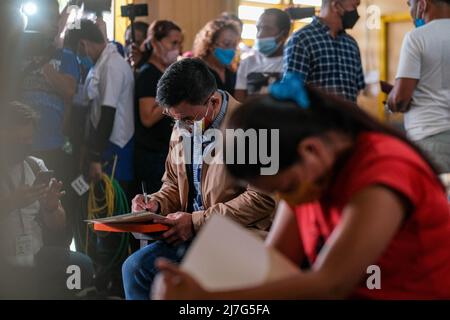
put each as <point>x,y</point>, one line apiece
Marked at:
<point>53,214</point>
<point>23,197</point>
<point>51,201</point>
<point>174,284</point>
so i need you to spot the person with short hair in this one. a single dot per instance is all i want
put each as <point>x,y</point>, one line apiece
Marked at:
<point>193,188</point>
<point>140,31</point>
<point>110,95</point>
<point>48,83</point>
<point>265,64</point>
<point>422,85</point>
<point>324,54</point>
<point>32,218</point>
<point>363,213</point>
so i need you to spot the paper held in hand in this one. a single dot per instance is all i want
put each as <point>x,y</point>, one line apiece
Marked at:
<point>136,217</point>
<point>226,256</point>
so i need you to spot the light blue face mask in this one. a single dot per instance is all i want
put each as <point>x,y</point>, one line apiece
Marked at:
<point>225,56</point>
<point>267,46</point>
<point>86,62</point>
<point>418,22</point>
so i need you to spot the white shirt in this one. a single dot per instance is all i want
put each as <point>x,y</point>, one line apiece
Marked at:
<point>425,56</point>
<point>257,64</point>
<point>111,83</point>
<point>17,224</point>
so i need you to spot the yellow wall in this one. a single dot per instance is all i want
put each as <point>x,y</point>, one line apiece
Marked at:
<point>370,44</point>
<point>190,15</point>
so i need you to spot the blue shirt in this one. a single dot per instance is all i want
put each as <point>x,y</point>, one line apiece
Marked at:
<point>197,167</point>
<point>39,94</point>
<point>333,64</point>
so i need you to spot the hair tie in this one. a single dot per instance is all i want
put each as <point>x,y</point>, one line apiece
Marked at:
<point>291,87</point>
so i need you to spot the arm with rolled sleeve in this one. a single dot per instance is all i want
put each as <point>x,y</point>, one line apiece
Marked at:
<point>168,197</point>
<point>408,75</point>
<point>297,57</point>
<point>361,84</point>
<point>112,82</point>
<point>248,208</point>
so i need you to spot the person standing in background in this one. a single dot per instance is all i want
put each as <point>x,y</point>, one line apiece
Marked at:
<point>216,45</point>
<point>153,129</point>
<point>48,84</point>
<point>422,85</point>
<point>265,64</point>
<point>109,93</point>
<point>324,54</point>
<point>140,32</point>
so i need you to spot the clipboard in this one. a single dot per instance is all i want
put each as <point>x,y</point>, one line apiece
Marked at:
<point>136,222</point>
<point>134,217</point>
<point>130,227</point>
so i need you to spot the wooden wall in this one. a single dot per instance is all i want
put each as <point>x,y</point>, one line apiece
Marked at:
<point>370,45</point>
<point>190,15</point>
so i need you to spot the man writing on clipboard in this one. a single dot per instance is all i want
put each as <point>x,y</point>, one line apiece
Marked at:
<point>193,190</point>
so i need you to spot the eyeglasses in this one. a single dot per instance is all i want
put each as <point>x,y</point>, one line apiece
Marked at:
<point>166,112</point>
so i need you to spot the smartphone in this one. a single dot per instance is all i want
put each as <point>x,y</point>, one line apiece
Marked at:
<point>43,178</point>
<point>298,13</point>
<point>134,10</point>
<point>386,87</point>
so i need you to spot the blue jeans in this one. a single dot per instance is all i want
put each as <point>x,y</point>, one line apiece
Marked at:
<point>139,269</point>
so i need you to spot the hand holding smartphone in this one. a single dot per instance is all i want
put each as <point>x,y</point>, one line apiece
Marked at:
<point>43,178</point>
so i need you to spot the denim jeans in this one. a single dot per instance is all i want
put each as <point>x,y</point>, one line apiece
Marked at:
<point>139,269</point>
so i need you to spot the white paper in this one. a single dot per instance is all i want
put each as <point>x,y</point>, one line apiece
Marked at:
<point>136,217</point>
<point>226,256</point>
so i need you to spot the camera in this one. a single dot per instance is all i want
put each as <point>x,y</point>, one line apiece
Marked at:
<point>97,6</point>
<point>134,10</point>
<point>298,13</point>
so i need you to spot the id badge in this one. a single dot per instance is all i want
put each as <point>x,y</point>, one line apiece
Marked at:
<point>80,185</point>
<point>24,250</point>
<point>24,245</point>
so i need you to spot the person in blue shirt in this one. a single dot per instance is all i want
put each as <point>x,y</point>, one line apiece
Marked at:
<point>48,84</point>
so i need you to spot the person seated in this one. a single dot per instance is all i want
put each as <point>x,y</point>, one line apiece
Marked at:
<point>32,219</point>
<point>360,201</point>
<point>193,189</point>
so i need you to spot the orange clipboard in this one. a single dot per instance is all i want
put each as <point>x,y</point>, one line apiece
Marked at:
<point>130,227</point>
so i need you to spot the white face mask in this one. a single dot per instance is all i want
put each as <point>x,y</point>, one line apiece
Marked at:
<point>171,57</point>
<point>168,57</point>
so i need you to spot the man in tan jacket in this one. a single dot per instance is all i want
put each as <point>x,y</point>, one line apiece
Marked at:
<point>195,184</point>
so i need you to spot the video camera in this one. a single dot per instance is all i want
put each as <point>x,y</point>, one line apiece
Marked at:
<point>298,13</point>
<point>132,11</point>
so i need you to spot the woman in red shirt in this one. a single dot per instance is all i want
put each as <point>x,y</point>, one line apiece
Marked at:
<point>356,194</point>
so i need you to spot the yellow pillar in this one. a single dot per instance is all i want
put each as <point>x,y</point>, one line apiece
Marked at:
<point>120,24</point>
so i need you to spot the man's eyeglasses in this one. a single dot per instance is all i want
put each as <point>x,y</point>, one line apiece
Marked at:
<point>166,112</point>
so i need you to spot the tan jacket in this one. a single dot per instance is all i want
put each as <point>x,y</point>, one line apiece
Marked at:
<point>220,192</point>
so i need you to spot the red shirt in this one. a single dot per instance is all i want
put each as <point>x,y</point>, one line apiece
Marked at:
<point>416,264</point>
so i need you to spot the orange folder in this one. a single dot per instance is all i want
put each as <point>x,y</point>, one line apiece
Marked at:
<point>130,227</point>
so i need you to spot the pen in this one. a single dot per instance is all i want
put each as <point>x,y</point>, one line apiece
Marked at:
<point>144,192</point>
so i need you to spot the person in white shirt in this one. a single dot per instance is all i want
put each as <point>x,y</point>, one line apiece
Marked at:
<point>32,219</point>
<point>422,86</point>
<point>110,95</point>
<point>265,64</point>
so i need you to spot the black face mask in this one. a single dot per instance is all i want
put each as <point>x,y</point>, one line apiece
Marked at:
<point>349,19</point>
